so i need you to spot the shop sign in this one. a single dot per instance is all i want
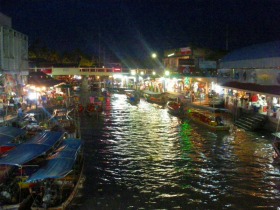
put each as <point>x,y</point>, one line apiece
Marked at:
<point>46,71</point>
<point>186,51</point>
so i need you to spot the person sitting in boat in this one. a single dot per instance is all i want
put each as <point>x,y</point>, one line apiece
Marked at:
<point>181,105</point>
<point>219,120</point>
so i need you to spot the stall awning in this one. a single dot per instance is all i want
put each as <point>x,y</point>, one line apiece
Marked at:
<point>263,89</point>
<point>45,83</point>
<point>27,151</point>
<point>59,164</point>
<point>7,134</point>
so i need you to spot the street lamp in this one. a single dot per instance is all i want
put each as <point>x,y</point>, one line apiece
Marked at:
<point>154,55</point>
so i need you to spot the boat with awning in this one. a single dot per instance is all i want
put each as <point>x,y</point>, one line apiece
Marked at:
<point>10,137</point>
<point>62,121</point>
<point>37,146</point>
<point>155,97</point>
<point>18,164</point>
<point>59,178</point>
<point>60,163</point>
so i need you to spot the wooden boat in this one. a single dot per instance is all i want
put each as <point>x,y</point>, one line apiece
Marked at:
<point>32,127</point>
<point>62,121</point>
<point>210,117</point>
<point>94,108</point>
<point>276,146</point>
<point>59,180</point>
<point>154,97</point>
<point>18,164</point>
<point>176,108</point>
<point>10,137</point>
<point>133,96</point>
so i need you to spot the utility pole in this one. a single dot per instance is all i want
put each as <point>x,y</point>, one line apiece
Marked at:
<point>99,47</point>
<point>103,56</point>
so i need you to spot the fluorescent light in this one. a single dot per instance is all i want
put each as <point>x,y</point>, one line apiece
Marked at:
<point>170,55</point>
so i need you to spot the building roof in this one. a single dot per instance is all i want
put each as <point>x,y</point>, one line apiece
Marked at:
<point>273,90</point>
<point>41,79</point>
<point>266,55</point>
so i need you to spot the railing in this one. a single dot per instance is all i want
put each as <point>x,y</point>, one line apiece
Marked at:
<point>77,70</point>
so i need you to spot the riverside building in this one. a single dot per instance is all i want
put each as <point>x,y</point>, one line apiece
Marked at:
<point>13,59</point>
<point>250,78</point>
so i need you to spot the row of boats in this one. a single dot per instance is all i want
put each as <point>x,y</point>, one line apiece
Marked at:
<point>212,118</point>
<point>41,168</point>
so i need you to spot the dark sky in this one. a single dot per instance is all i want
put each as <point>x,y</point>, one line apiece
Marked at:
<point>135,28</point>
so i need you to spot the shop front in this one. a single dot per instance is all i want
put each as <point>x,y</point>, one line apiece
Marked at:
<point>253,98</point>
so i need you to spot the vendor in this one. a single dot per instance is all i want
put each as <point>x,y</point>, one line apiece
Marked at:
<point>255,98</point>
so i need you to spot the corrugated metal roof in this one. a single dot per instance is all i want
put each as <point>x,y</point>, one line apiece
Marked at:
<point>265,50</point>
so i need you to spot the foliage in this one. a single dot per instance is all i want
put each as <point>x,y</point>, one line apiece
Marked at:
<point>41,56</point>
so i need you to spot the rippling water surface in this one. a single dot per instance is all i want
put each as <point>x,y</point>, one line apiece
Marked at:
<point>141,157</point>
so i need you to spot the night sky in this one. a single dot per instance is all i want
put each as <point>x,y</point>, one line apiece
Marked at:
<point>133,29</point>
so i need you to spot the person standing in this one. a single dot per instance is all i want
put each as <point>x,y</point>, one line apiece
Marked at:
<point>20,113</point>
<point>193,96</point>
<point>12,104</point>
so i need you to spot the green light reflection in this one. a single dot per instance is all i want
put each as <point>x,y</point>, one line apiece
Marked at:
<point>185,134</point>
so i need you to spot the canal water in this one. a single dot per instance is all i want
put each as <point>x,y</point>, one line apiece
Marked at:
<point>141,157</point>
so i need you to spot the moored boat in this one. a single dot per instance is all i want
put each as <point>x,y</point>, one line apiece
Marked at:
<point>154,97</point>
<point>132,96</point>
<point>10,137</point>
<point>176,108</point>
<point>18,164</point>
<point>94,108</point>
<point>212,118</point>
<point>59,180</point>
<point>62,121</point>
<point>276,146</point>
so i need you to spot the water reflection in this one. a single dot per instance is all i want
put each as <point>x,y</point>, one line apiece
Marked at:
<point>140,157</point>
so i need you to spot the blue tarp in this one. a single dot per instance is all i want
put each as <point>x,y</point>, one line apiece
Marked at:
<point>35,147</point>
<point>59,164</point>
<point>8,134</point>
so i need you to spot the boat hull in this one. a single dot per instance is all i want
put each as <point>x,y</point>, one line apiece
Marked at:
<point>72,195</point>
<point>208,120</point>
<point>175,108</point>
<point>65,204</point>
<point>276,147</point>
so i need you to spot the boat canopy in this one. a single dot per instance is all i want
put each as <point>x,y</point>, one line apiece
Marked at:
<point>35,147</point>
<point>60,163</point>
<point>210,109</point>
<point>8,134</point>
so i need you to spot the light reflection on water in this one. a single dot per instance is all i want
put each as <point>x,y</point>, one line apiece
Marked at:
<point>140,157</point>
